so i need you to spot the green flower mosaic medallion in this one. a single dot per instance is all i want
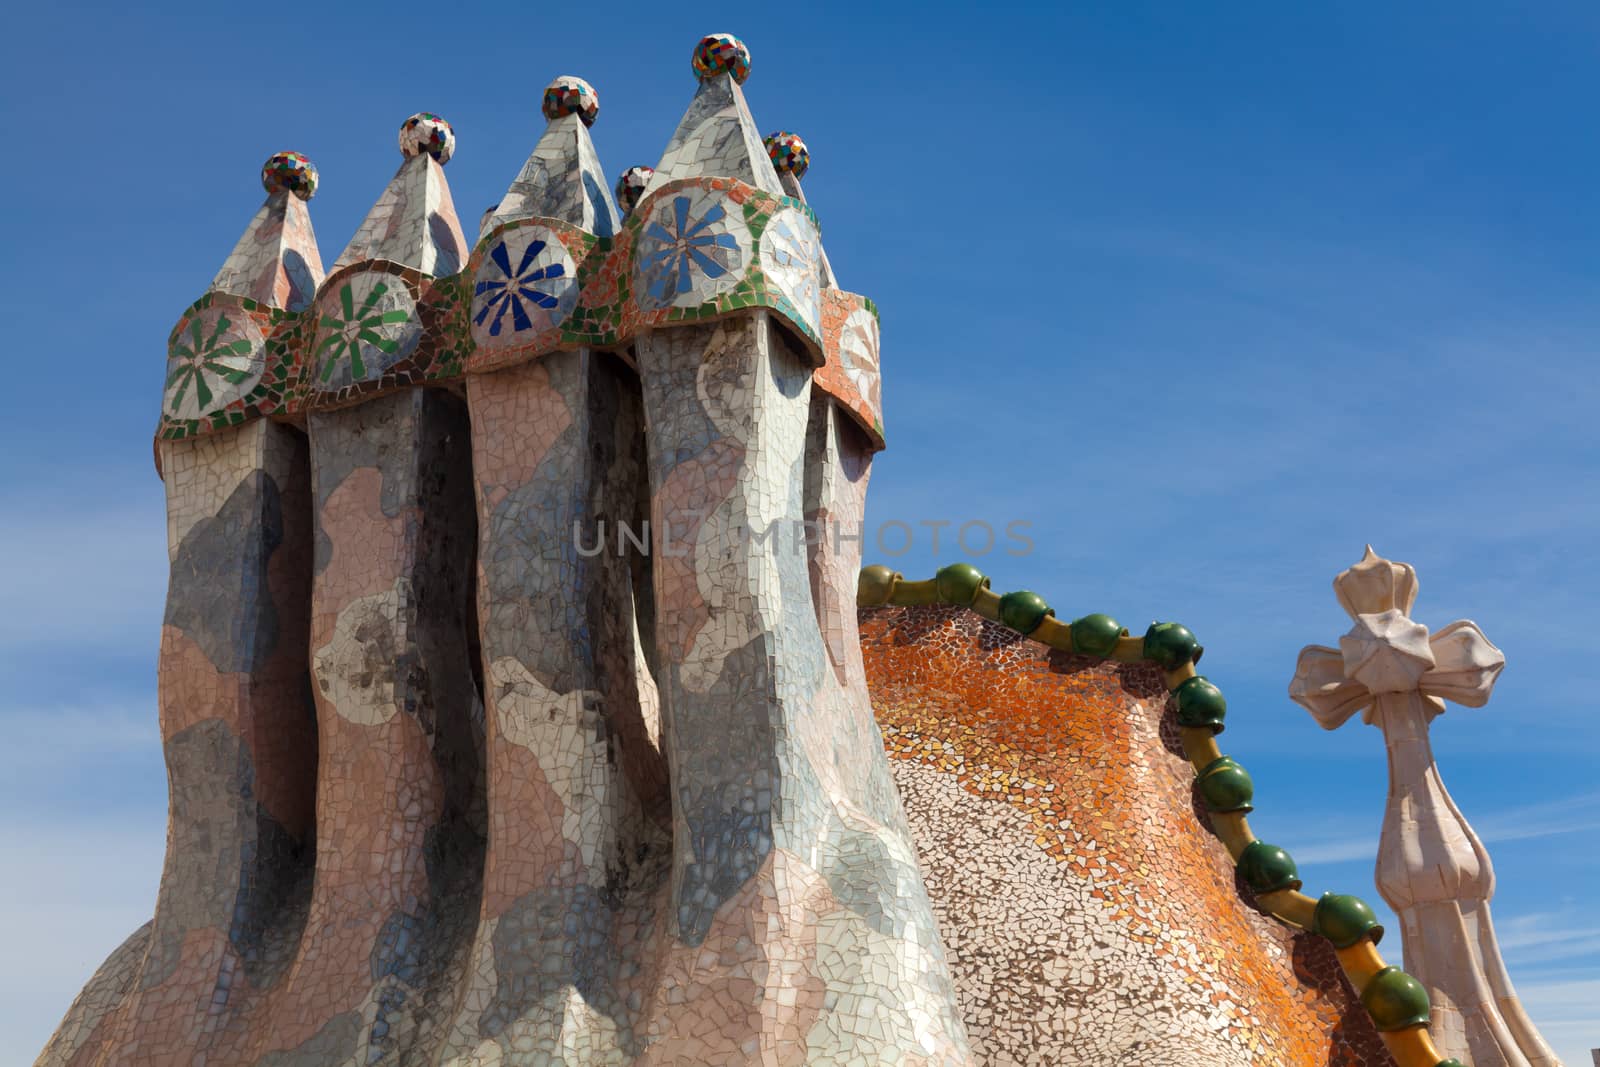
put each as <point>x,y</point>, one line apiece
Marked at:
<point>216,358</point>
<point>365,326</point>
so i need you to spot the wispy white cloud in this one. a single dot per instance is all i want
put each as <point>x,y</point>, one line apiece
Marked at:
<point>90,568</point>
<point>1343,390</point>
<point>1574,814</point>
<point>68,732</point>
<point>99,757</point>
<point>1545,937</point>
<point>1342,850</point>
<point>1567,1012</point>
<point>1533,928</point>
<point>1557,947</point>
<point>1569,815</point>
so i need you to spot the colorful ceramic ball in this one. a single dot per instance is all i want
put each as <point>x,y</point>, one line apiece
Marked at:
<point>426,132</point>
<point>630,187</point>
<point>721,53</point>
<point>289,172</point>
<point>568,95</point>
<point>788,152</point>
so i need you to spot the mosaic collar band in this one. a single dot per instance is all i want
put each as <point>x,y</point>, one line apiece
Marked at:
<point>719,226</point>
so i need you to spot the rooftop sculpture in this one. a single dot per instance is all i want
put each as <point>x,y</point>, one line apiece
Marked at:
<point>1432,869</point>
<point>505,723</point>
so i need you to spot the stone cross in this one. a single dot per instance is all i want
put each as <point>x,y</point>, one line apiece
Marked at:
<point>1432,869</point>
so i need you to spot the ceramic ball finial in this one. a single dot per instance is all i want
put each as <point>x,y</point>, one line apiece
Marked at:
<point>427,132</point>
<point>289,172</point>
<point>721,53</point>
<point>788,153</point>
<point>630,187</point>
<point>568,95</point>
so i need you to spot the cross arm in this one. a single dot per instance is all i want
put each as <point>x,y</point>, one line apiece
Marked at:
<point>1320,686</point>
<point>1466,665</point>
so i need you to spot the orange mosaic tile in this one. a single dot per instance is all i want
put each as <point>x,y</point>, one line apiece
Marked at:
<point>1089,915</point>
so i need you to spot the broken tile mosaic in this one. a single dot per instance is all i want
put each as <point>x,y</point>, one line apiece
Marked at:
<point>788,153</point>
<point>571,96</point>
<point>721,53</point>
<point>631,186</point>
<point>426,132</point>
<point>289,172</point>
<point>451,786</point>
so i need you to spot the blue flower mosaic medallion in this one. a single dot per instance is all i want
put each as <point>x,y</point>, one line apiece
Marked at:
<point>366,323</point>
<point>216,358</point>
<point>791,257</point>
<point>690,249</point>
<point>527,284</point>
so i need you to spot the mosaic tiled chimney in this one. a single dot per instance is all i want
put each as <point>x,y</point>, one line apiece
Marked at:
<point>588,771</point>
<point>525,701</point>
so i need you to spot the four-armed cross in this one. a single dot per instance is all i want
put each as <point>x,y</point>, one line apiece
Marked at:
<point>1432,869</point>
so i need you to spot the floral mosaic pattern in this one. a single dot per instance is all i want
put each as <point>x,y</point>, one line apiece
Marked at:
<point>851,374</point>
<point>367,323</point>
<point>791,251</point>
<point>690,249</point>
<point>858,355</point>
<point>214,361</point>
<point>527,284</point>
<point>695,250</point>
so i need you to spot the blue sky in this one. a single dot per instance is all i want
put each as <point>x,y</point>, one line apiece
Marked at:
<point>1212,295</point>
